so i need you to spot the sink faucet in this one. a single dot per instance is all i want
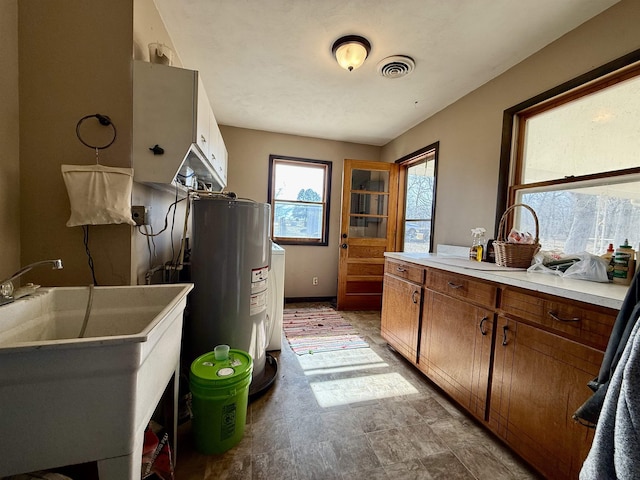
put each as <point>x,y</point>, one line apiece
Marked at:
<point>6,286</point>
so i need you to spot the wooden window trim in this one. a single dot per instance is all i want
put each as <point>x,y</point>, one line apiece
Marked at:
<point>404,163</point>
<point>612,72</point>
<point>323,241</point>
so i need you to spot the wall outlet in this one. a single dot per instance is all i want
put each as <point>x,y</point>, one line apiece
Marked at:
<point>141,215</point>
<point>314,280</point>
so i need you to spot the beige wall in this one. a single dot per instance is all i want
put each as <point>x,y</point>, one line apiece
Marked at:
<point>470,130</point>
<point>249,152</point>
<point>74,61</point>
<point>9,141</point>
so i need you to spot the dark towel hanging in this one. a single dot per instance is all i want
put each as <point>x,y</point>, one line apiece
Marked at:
<point>589,412</point>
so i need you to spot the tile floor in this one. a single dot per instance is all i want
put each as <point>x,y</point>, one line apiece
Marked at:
<point>358,414</point>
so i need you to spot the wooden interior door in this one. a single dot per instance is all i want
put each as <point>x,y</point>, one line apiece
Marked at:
<point>367,230</point>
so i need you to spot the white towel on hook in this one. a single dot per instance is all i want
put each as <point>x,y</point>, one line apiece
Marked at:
<point>98,195</point>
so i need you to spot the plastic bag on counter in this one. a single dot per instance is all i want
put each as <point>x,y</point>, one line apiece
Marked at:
<point>590,267</point>
<point>542,259</point>
<point>580,266</point>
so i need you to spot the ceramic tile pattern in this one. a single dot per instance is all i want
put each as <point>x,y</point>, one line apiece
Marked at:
<point>359,414</point>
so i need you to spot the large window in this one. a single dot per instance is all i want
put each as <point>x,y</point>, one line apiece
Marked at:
<point>575,162</point>
<point>418,178</point>
<point>299,192</point>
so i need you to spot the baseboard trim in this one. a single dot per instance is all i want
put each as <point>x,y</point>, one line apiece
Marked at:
<point>331,300</point>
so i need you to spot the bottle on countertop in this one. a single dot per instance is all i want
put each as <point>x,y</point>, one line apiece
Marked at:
<point>608,256</point>
<point>489,254</point>
<point>477,244</point>
<point>623,264</point>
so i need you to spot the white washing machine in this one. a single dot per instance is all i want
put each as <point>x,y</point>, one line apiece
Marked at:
<point>276,296</point>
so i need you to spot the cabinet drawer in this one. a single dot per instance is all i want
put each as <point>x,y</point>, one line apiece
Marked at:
<point>408,271</point>
<point>588,323</point>
<point>461,286</point>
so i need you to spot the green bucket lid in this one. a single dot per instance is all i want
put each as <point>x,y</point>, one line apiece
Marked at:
<point>207,371</point>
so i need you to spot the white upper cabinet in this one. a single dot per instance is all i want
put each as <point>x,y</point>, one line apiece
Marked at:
<point>203,133</point>
<point>209,137</point>
<point>217,150</point>
<point>171,110</point>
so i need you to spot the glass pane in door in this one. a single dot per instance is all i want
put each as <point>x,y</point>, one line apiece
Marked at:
<point>369,209</point>
<point>367,227</point>
<point>370,180</point>
<point>368,204</point>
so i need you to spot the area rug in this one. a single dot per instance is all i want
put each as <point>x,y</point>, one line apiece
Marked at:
<point>315,330</point>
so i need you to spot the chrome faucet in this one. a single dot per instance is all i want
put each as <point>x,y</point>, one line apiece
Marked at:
<point>6,286</point>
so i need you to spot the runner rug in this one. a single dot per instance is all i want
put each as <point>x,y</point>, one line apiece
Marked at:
<point>315,330</point>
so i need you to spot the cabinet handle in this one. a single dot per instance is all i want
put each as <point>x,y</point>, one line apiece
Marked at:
<point>555,316</point>
<point>504,334</point>
<point>413,296</point>
<point>157,149</point>
<point>454,285</point>
<point>482,330</point>
<point>401,269</point>
<point>202,139</point>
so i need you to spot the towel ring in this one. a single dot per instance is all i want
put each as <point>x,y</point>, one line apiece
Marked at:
<point>103,120</point>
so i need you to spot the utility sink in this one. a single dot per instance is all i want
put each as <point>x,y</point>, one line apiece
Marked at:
<point>67,400</point>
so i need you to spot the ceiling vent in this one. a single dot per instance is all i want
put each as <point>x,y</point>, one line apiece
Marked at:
<point>396,66</point>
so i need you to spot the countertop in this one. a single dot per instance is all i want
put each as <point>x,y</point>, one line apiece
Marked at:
<point>602,294</point>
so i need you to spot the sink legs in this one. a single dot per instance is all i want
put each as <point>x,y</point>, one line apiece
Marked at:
<point>126,467</point>
<point>129,467</point>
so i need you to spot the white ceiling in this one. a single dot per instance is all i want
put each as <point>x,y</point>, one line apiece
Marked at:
<point>267,64</point>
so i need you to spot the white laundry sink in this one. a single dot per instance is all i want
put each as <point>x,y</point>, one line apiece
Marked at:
<point>68,400</point>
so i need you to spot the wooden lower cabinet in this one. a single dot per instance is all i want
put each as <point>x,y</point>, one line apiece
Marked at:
<point>401,303</point>
<point>518,360</point>
<point>539,380</point>
<point>455,349</point>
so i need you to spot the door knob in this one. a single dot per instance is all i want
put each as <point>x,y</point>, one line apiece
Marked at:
<point>344,235</point>
<point>344,245</point>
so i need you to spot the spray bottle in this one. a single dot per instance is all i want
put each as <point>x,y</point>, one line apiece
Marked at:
<point>477,245</point>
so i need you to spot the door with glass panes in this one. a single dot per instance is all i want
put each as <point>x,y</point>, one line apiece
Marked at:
<point>367,230</point>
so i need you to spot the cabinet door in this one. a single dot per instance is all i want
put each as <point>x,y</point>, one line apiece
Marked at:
<point>217,150</point>
<point>401,301</point>
<point>539,380</point>
<point>164,112</point>
<point>455,349</point>
<point>203,136</point>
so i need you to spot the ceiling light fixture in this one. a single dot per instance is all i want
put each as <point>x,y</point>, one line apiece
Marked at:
<point>351,51</point>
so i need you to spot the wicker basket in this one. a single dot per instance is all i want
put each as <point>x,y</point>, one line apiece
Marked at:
<point>518,255</point>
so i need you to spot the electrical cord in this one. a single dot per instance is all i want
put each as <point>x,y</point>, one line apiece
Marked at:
<point>166,219</point>
<point>173,223</point>
<point>150,241</point>
<point>85,229</point>
<point>172,264</point>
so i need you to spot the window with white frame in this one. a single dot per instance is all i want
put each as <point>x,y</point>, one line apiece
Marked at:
<point>299,192</point>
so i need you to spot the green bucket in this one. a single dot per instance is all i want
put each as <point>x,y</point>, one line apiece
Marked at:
<point>220,393</point>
